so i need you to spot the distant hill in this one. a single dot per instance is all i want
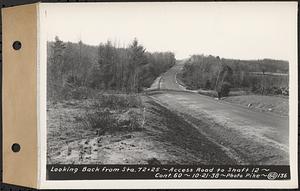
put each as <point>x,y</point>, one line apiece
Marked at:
<point>266,76</point>
<point>263,65</point>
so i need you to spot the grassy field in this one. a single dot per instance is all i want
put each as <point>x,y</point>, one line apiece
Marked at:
<point>273,104</point>
<point>263,103</point>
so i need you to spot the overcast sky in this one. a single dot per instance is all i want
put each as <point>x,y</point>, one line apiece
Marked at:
<point>229,30</point>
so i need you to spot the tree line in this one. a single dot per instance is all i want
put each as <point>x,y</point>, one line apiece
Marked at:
<point>265,76</point>
<point>77,68</point>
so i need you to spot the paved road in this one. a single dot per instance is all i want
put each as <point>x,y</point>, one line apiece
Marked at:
<point>248,136</point>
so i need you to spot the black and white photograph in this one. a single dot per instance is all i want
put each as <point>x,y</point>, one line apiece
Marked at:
<point>169,83</point>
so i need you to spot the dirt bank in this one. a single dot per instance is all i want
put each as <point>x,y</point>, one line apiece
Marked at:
<point>165,138</point>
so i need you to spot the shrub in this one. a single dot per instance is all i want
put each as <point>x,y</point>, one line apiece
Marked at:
<point>115,102</point>
<point>112,113</point>
<point>69,92</point>
<point>106,121</point>
<point>129,121</point>
<point>225,89</point>
<point>79,93</point>
<point>207,85</point>
<point>101,121</point>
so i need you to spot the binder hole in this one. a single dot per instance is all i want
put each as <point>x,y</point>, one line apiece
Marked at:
<point>15,147</point>
<point>17,45</point>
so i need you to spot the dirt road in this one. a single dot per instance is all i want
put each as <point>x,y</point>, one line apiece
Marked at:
<point>246,136</point>
<point>169,81</point>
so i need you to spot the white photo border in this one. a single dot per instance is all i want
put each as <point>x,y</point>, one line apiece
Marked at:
<point>160,184</point>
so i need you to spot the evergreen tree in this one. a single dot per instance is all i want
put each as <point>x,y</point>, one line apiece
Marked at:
<point>137,59</point>
<point>106,62</point>
<point>56,68</point>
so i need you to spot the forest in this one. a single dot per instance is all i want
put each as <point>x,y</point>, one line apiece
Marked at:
<point>76,70</point>
<point>266,77</point>
<point>94,91</point>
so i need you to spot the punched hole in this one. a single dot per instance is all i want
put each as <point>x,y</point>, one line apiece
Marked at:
<point>17,45</point>
<point>15,147</point>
